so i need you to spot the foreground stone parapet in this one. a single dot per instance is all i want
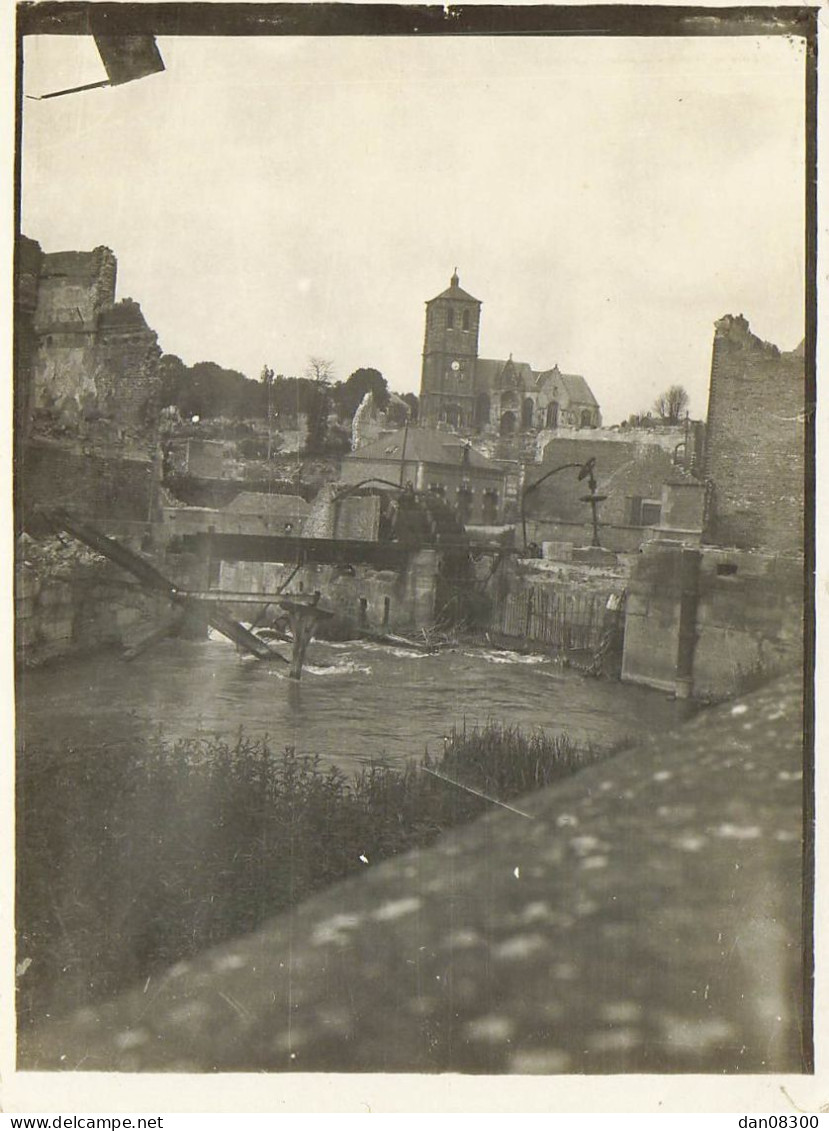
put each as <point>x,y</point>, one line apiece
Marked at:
<point>646,917</point>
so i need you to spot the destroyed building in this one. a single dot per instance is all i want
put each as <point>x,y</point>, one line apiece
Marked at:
<point>87,365</point>
<point>756,442</point>
<point>434,462</point>
<point>87,385</point>
<point>631,478</point>
<point>702,618</point>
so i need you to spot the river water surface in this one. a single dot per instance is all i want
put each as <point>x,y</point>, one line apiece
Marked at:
<point>356,701</point>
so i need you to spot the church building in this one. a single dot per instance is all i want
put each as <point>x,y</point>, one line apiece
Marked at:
<point>473,393</point>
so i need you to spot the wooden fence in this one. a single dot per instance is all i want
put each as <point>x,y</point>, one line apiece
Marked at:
<point>565,619</point>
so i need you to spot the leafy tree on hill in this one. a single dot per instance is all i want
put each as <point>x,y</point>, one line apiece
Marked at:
<point>318,405</point>
<point>347,395</point>
<point>208,390</point>
<point>414,404</point>
<point>291,396</point>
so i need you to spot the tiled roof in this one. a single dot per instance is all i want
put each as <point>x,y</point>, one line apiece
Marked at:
<point>575,386</point>
<point>423,445</point>
<point>454,290</point>
<point>489,370</point>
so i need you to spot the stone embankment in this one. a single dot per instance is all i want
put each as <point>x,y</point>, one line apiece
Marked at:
<point>70,601</point>
<point>644,916</point>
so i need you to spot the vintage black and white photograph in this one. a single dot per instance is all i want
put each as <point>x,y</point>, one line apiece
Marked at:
<point>413,499</point>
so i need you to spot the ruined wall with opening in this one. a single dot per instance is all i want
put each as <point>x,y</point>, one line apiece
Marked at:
<point>755,445</point>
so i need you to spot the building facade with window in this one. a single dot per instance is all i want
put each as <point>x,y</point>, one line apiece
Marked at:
<point>471,393</point>
<point>433,461</point>
<point>643,488</point>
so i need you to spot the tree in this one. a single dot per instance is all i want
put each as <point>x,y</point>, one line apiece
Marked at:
<point>414,404</point>
<point>207,390</point>
<point>672,405</point>
<point>347,395</point>
<point>317,404</point>
<point>173,373</point>
<point>319,369</point>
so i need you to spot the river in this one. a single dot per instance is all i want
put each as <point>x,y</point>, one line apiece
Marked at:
<point>356,701</point>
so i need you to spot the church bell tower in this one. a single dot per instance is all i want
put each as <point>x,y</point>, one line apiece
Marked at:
<point>450,350</point>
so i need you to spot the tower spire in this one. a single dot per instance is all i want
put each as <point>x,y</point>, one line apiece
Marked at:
<point>454,281</point>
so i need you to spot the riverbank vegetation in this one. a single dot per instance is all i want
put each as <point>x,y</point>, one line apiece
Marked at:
<point>134,859</point>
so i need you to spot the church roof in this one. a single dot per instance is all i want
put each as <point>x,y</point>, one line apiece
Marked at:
<point>423,445</point>
<point>489,370</point>
<point>455,291</point>
<point>575,386</point>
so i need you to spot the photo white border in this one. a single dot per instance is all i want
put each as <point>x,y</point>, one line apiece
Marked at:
<point>281,1093</point>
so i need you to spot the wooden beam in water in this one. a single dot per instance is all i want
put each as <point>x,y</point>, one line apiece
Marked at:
<point>304,616</point>
<point>160,630</point>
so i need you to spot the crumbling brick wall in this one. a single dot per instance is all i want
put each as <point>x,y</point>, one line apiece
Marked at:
<point>755,445</point>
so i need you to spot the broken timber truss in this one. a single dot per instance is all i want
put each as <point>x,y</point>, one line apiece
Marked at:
<point>154,580</point>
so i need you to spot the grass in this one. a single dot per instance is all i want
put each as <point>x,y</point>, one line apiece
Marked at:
<point>504,762</point>
<point>143,857</point>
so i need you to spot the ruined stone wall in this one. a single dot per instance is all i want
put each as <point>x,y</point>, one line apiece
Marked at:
<point>350,518</point>
<point>379,600</point>
<point>747,618</point>
<point>358,518</point>
<point>682,505</point>
<point>652,618</point>
<point>92,486</point>
<point>625,474</point>
<point>127,378</point>
<point>28,258</point>
<point>755,442</point>
<point>623,471</point>
<point>621,539</point>
<point>69,602</point>
<point>75,287</point>
<point>94,370</point>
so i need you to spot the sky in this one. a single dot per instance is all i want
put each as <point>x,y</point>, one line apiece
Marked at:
<point>268,199</point>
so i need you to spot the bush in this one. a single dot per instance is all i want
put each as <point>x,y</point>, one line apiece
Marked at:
<point>133,859</point>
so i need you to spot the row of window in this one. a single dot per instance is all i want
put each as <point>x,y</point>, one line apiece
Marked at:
<point>464,489</point>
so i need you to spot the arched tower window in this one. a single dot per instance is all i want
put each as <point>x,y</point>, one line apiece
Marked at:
<point>450,318</point>
<point>466,320</point>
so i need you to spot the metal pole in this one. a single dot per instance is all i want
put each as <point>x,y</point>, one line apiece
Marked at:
<point>538,483</point>
<point>403,452</point>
